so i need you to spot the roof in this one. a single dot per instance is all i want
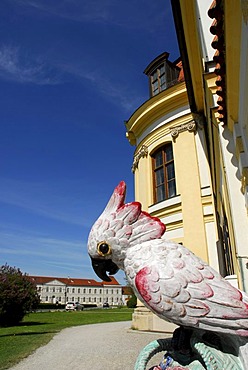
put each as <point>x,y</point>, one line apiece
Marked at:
<point>156,62</point>
<point>127,290</point>
<point>72,281</point>
<point>216,12</point>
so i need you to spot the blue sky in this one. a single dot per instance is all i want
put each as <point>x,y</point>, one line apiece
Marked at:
<point>71,72</point>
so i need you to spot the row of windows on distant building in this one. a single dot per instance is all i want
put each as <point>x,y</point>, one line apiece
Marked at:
<point>79,290</point>
<point>110,300</point>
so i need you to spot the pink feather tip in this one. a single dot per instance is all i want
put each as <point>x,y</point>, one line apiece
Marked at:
<point>157,221</point>
<point>121,188</point>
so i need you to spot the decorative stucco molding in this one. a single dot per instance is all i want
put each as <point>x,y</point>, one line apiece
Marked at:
<point>142,152</point>
<point>189,126</point>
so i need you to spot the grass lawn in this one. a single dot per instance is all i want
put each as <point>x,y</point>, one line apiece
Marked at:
<point>37,329</point>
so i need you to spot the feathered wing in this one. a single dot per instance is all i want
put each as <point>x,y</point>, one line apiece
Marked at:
<point>188,292</point>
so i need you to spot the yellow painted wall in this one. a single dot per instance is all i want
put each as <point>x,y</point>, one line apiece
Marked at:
<point>188,185</point>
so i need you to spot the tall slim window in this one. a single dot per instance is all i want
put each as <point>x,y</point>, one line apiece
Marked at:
<point>158,80</point>
<point>164,173</point>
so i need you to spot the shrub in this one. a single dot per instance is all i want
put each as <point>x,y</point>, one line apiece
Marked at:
<point>18,295</point>
<point>50,306</point>
<point>132,302</point>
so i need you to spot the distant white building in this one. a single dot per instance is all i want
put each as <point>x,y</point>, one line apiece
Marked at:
<point>85,291</point>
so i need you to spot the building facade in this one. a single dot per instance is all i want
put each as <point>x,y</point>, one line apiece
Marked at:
<point>190,138</point>
<point>213,42</point>
<point>84,291</point>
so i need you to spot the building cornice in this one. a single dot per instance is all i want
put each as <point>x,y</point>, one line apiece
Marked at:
<point>158,106</point>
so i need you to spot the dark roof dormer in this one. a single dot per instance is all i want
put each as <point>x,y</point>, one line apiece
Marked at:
<point>163,74</point>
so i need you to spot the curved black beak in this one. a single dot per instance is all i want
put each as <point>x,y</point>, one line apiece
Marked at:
<point>101,267</point>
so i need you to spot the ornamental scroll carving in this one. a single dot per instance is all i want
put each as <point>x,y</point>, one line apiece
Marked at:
<point>142,152</point>
<point>189,126</point>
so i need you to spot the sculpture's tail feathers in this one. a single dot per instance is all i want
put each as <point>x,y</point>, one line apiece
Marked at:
<point>231,326</point>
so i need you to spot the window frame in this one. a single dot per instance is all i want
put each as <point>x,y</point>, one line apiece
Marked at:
<point>165,164</point>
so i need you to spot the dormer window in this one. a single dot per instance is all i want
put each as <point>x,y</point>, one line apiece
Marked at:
<point>158,80</point>
<point>162,73</point>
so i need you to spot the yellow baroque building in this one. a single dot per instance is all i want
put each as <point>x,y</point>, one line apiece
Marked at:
<point>190,162</point>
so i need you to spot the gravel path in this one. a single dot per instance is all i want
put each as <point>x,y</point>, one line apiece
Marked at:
<point>110,346</point>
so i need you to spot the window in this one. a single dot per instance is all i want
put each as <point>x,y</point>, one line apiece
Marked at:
<point>73,290</point>
<point>78,290</point>
<point>164,173</point>
<point>225,249</point>
<point>158,80</point>
<point>163,73</point>
<point>163,77</point>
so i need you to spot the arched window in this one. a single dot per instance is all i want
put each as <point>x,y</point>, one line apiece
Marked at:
<point>163,173</point>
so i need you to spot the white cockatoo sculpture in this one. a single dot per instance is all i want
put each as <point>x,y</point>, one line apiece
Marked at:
<point>168,278</point>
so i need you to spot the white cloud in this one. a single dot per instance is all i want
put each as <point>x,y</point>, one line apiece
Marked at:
<point>111,89</point>
<point>16,67</point>
<point>131,15</point>
<point>38,255</point>
<point>77,10</point>
<point>22,245</point>
<point>45,199</point>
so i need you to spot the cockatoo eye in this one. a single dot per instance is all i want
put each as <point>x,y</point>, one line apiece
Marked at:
<point>103,249</point>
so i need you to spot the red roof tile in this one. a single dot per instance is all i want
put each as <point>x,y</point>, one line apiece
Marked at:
<point>72,281</point>
<point>216,12</point>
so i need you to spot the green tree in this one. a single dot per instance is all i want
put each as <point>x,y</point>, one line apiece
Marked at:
<point>132,302</point>
<point>18,295</point>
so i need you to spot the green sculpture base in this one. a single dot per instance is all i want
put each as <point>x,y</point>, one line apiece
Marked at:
<point>193,350</point>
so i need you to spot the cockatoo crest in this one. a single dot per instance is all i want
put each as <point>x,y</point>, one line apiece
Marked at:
<point>124,223</point>
<point>146,226</point>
